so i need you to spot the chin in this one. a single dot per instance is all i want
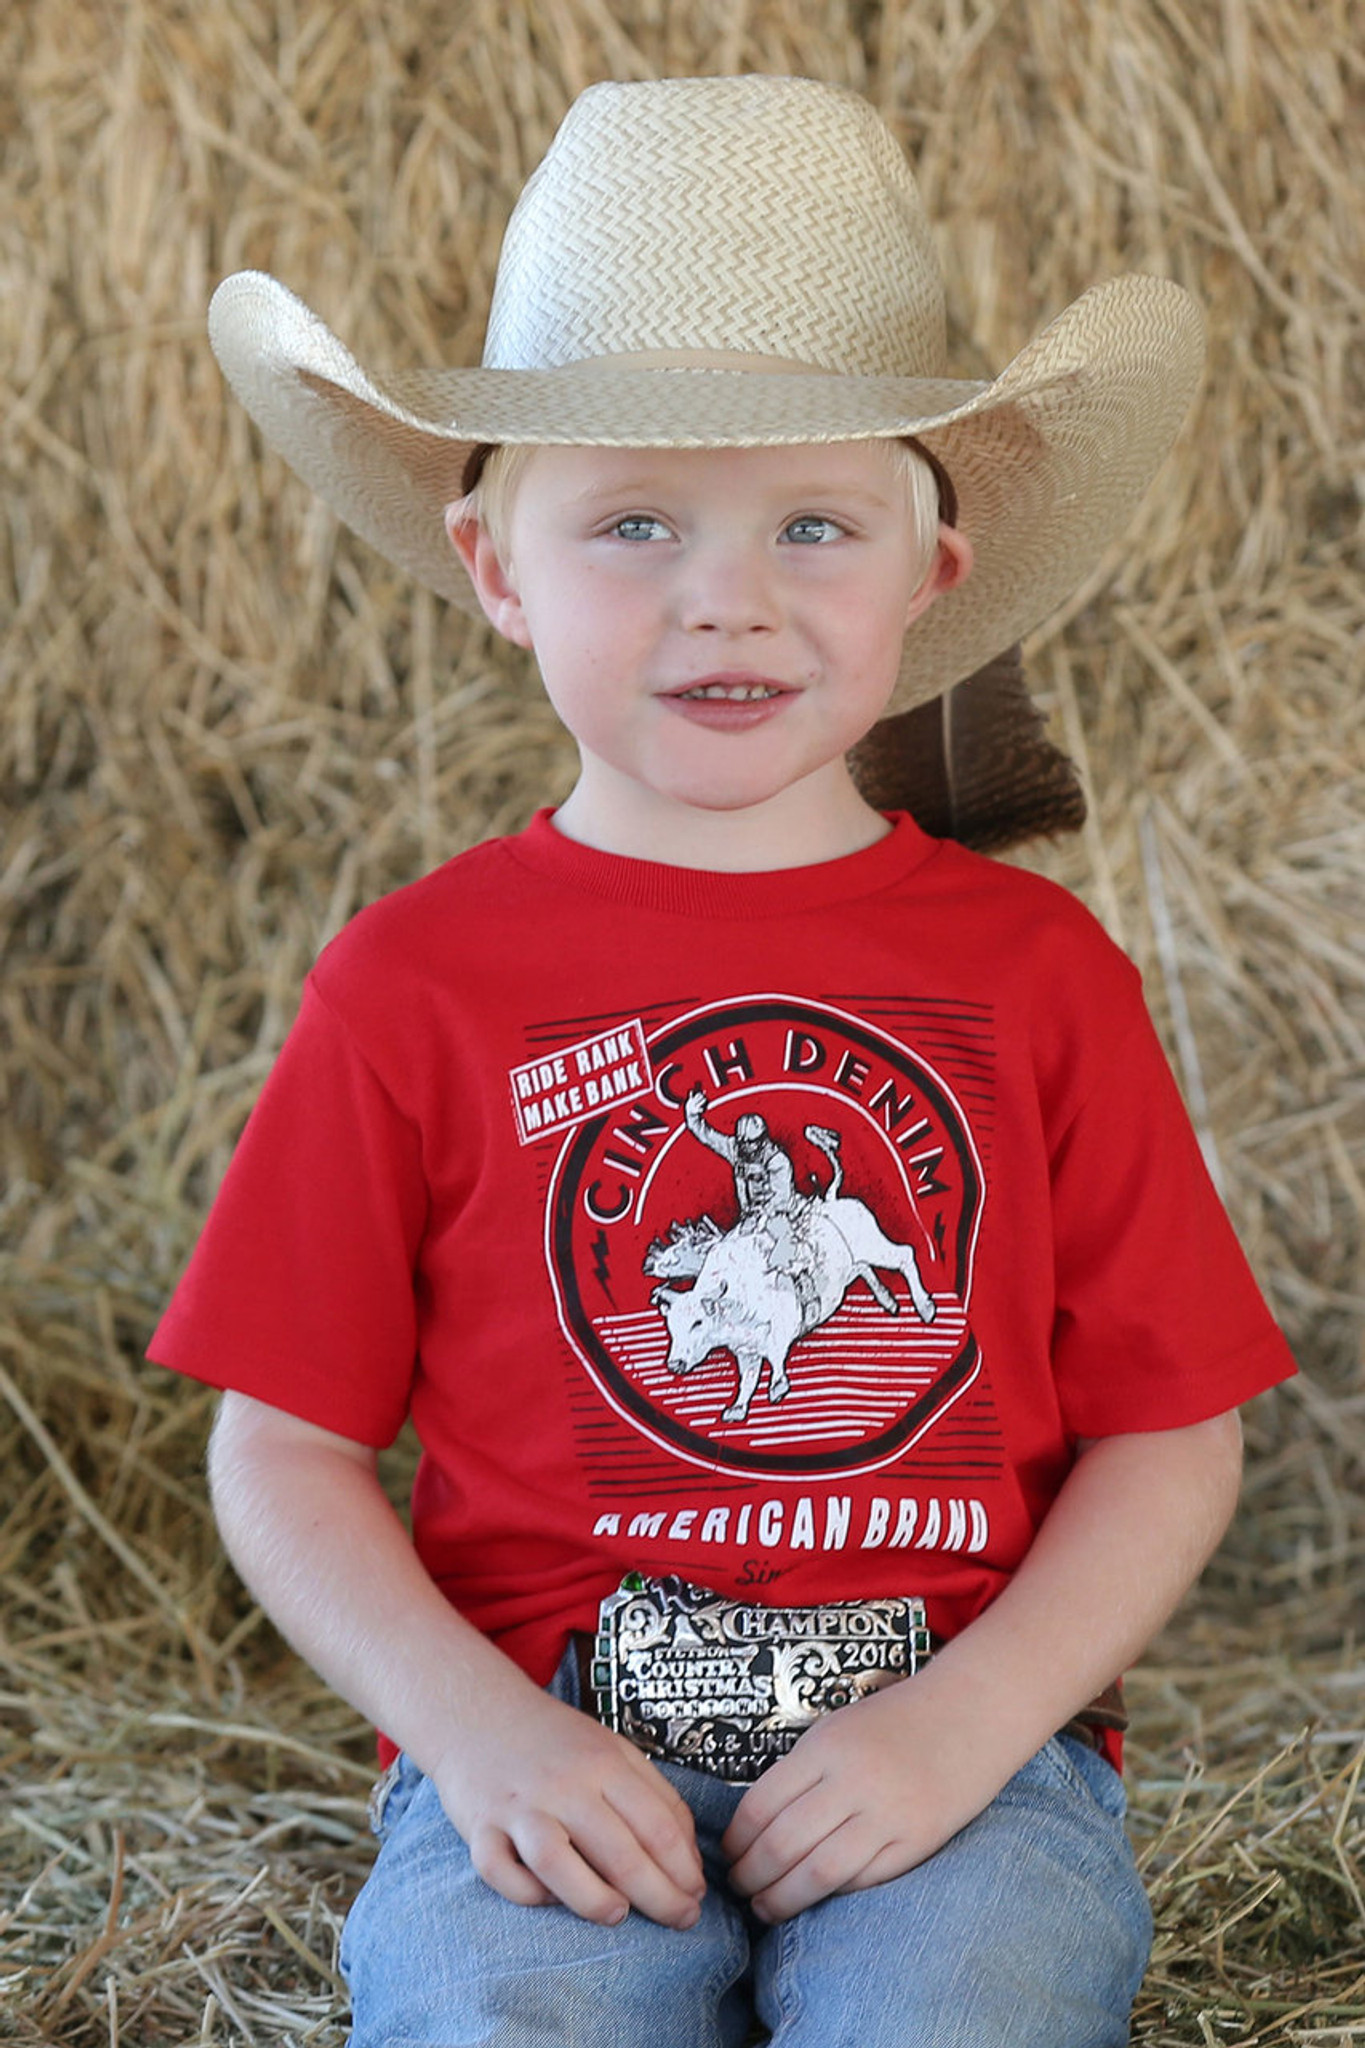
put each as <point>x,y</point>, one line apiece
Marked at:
<point>731,803</point>
<point>749,786</point>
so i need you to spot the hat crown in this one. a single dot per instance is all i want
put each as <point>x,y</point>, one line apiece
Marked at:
<point>763,216</point>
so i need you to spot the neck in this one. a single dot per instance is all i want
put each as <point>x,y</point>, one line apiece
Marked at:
<point>820,818</point>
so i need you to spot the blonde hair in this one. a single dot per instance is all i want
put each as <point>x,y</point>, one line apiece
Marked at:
<point>493,495</point>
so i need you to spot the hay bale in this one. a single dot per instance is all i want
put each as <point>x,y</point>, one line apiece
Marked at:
<point>228,724</point>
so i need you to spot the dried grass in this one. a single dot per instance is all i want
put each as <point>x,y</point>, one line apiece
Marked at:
<point>226,725</point>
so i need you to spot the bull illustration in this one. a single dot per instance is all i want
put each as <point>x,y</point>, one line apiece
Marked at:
<point>779,1273</point>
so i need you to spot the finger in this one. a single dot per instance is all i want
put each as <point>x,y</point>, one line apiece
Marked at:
<point>780,1785</point>
<point>543,1848</point>
<point>598,1866</point>
<point>794,1831</point>
<point>667,1886</point>
<point>662,1823</point>
<point>499,1865</point>
<point>842,1862</point>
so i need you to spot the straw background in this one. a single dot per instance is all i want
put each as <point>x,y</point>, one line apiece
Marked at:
<point>226,725</point>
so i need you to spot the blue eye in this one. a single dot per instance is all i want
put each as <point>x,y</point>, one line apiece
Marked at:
<point>810,530</point>
<point>639,526</point>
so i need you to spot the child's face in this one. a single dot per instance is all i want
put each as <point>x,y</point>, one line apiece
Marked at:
<point>714,627</point>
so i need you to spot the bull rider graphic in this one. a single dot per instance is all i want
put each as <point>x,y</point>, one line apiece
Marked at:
<point>782,1270</point>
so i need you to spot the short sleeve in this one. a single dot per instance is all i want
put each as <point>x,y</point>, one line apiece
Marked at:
<point>301,1291</point>
<point>1159,1321</point>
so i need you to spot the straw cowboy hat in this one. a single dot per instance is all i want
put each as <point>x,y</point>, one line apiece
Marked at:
<point>723,262</point>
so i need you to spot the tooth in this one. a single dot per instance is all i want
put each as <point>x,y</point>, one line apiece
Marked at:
<point>731,693</point>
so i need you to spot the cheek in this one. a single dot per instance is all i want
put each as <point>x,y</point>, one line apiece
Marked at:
<point>582,616</point>
<point>873,603</point>
<point>899,595</point>
<point>876,616</point>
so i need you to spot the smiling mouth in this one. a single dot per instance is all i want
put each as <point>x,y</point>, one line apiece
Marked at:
<point>730,693</point>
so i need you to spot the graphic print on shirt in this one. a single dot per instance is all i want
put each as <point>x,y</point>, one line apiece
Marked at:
<point>762,1246</point>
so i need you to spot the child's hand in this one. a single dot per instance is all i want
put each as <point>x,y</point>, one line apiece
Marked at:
<point>866,1793</point>
<point>556,1807</point>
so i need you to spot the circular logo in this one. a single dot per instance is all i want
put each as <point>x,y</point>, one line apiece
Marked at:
<point>764,1258</point>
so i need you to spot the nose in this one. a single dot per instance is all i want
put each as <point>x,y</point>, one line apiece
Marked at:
<point>729,586</point>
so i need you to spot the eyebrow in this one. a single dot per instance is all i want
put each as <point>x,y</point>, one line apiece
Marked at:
<point>805,490</point>
<point>627,487</point>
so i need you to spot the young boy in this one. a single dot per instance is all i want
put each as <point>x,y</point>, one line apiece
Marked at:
<point>781,1226</point>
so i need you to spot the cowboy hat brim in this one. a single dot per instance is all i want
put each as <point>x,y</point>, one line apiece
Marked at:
<point>1049,460</point>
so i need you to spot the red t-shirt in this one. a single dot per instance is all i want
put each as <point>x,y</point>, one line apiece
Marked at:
<point>781,1231</point>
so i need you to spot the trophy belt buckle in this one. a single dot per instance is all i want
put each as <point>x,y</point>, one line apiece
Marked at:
<point>726,1686</point>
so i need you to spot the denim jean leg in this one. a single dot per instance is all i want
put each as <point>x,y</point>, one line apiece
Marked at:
<point>1030,1929</point>
<point>435,1956</point>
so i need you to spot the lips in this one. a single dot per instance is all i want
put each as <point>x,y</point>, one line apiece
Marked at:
<point>729,703</point>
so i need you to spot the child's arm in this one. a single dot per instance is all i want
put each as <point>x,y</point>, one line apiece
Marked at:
<point>880,1785</point>
<point>552,1804</point>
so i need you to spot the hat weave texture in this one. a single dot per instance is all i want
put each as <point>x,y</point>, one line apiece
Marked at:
<point>675,222</point>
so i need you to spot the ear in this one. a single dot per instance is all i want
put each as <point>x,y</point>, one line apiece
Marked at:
<point>490,576</point>
<point>952,564</point>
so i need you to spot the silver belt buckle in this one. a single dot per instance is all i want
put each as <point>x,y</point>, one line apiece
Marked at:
<point>728,1687</point>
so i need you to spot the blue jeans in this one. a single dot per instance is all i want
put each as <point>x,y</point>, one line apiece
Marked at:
<point>1029,1929</point>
